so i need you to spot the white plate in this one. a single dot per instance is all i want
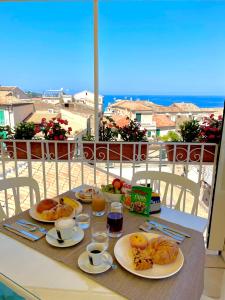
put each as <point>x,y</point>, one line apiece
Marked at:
<point>123,254</point>
<point>77,237</point>
<point>36,216</point>
<point>84,264</point>
<point>84,200</point>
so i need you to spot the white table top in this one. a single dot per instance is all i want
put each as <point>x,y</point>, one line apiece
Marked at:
<point>50,279</point>
<point>45,276</point>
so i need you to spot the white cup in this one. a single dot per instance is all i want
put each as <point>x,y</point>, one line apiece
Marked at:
<point>96,253</point>
<point>65,228</point>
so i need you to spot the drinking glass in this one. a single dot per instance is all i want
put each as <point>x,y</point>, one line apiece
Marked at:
<point>83,220</point>
<point>99,234</point>
<point>115,220</point>
<point>98,204</point>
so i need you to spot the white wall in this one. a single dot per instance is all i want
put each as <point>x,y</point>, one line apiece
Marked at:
<point>146,118</point>
<point>217,228</point>
<point>21,112</point>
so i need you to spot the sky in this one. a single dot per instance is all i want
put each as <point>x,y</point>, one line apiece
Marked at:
<point>145,47</point>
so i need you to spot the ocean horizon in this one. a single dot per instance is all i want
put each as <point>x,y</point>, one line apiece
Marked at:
<point>201,101</point>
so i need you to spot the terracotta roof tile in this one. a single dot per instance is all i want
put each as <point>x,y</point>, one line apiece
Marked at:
<point>163,121</point>
<point>186,107</point>
<point>120,120</point>
<point>131,105</point>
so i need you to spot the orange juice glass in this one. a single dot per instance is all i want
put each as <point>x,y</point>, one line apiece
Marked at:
<point>98,204</point>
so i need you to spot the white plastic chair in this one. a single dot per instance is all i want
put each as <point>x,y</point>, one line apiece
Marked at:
<point>184,184</point>
<point>15,184</point>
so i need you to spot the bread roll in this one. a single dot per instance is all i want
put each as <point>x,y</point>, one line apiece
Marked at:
<point>46,204</point>
<point>139,241</point>
<point>162,250</point>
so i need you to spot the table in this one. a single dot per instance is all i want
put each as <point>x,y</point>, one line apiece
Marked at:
<point>47,278</point>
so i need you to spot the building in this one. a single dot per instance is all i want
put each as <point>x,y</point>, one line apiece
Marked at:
<point>144,110</point>
<point>53,96</point>
<point>11,94</point>
<point>163,125</point>
<point>87,98</point>
<point>13,113</point>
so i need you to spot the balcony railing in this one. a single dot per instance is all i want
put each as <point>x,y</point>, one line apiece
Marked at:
<point>63,165</point>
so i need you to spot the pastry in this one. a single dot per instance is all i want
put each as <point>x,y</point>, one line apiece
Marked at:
<point>60,210</point>
<point>162,250</point>
<point>46,205</point>
<point>141,259</point>
<point>138,240</point>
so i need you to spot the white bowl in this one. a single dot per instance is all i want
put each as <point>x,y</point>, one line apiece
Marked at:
<point>110,197</point>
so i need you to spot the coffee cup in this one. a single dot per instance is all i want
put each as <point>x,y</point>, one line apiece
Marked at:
<point>96,253</point>
<point>65,228</point>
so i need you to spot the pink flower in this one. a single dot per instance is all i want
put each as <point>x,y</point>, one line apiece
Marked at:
<point>220,117</point>
<point>65,122</point>
<point>69,129</point>
<point>43,120</point>
<point>55,138</point>
<point>61,137</point>
<point>50,132</point>
<point>211,116</point>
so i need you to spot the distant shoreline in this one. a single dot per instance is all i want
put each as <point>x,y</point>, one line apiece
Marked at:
<point>201,101</point>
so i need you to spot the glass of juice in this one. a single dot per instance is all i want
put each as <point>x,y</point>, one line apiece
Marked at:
<point>98,204</point>
<point>115,220</point>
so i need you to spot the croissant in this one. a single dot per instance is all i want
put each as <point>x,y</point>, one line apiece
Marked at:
<point>59,211</point>
<point>162,250</point>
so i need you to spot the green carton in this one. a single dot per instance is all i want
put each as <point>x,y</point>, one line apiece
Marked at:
<point>140,200</point>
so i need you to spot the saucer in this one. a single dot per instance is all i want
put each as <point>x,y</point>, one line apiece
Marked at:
<point>84,264</point>
<point>76,238</point>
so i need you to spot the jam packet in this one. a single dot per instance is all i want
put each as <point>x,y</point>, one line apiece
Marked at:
<point>140,200</point>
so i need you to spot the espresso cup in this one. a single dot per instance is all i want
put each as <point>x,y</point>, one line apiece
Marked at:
<point>65,228</point>
<point>96,253</point>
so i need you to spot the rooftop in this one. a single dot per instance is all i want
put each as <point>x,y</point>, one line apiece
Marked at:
<point>163,121</point>
<point>7,88</point>
<point>38,115</point>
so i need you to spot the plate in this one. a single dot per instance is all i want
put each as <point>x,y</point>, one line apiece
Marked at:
<point>77,237</point>
<point>84,200</point>
<point>122,251</point>
<point>36,216</point>
<point>84,264</point>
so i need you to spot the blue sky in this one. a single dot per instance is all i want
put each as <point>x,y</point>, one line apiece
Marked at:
<point>145,47</point>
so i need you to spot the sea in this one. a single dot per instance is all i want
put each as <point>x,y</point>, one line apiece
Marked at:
<point>201,101</point>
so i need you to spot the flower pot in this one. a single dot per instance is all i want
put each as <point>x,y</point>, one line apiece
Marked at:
<point>62,150</point>
<point>128,151</point>
<point>22,150</point>
<point>194,154</point>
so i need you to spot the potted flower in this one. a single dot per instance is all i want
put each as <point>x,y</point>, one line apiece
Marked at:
<point>192,132</point>
<point>23,131</point>
<point>56,130</point>
<point>109,131</point>
<point>132,132</point>
<point>210,132</point>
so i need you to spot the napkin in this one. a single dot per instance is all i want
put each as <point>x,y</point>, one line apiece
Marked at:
<point>36,233</point>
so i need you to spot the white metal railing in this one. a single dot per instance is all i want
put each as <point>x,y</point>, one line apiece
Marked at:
<point>62,165</point>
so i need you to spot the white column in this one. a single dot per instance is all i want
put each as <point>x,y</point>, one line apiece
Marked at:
<point>96,67</point>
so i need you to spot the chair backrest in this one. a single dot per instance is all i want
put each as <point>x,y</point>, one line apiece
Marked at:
<point>15,184</point>
<point>172,180</point>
